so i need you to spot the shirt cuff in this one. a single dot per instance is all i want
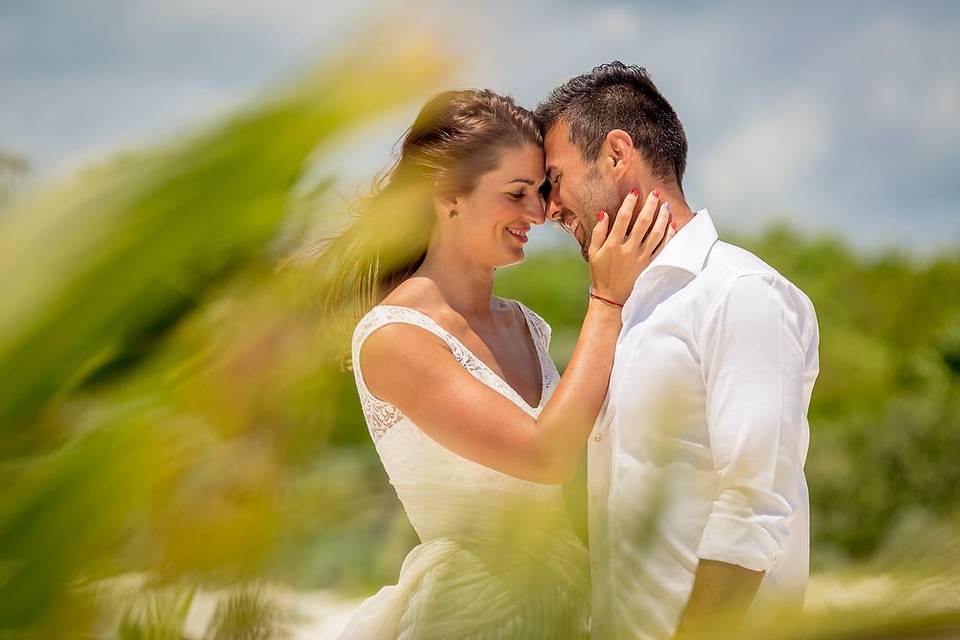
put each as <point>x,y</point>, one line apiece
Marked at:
<point>734,540</point>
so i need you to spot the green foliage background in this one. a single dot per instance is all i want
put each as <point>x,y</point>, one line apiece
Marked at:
<point>173,406</point>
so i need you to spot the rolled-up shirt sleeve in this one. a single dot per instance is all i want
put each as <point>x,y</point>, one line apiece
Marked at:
<point>755,349</point>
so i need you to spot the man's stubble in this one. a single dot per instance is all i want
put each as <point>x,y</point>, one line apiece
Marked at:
<point>598,194</point>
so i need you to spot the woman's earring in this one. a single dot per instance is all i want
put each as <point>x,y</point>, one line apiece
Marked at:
<point>453,212</point>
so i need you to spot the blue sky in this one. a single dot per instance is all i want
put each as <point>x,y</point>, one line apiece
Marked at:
<point>839,117</point>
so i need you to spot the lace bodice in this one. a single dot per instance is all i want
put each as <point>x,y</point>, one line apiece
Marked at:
<point>381,416</point>
<point>442,492</point>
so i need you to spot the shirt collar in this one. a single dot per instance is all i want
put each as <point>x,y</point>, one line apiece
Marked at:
<point>689,247</point>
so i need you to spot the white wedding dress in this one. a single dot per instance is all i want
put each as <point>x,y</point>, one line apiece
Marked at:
<point>498,557</point>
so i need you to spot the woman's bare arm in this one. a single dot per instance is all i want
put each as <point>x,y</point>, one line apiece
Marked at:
<point>414,370</point>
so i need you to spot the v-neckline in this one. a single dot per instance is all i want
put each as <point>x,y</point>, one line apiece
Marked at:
<point>530,336</point>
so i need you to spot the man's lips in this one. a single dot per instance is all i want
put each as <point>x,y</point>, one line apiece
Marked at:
<point>575,229</point>
<point>571,223</point>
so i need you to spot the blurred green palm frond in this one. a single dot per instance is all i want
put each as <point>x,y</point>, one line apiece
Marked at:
<point>166,396</point>
<point>247,614</point>
<point>88,268</point>
<point>162,618</point>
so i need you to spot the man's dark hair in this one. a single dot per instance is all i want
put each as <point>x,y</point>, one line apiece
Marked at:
<point>619,96</point>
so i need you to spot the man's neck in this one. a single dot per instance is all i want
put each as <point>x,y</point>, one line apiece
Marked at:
<point>680,212</point>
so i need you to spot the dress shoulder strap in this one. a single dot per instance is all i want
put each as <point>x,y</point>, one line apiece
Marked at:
<point>382,415</point>
<point>539,327</point>
<point>384,314</point>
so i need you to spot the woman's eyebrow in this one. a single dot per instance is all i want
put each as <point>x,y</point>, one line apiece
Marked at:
<point>524,180</point>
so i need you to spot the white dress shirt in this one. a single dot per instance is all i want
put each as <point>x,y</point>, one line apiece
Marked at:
<point>699,449</point>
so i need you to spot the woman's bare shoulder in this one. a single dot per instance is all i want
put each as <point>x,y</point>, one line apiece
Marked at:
<point>423,295</point>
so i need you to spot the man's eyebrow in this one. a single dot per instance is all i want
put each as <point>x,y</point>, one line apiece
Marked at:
<point>523,180</point>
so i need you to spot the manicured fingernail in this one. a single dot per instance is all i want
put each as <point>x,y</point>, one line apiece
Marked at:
<point>673,225</point>
<point>656,193</point>
<point>635,192</point>
<point>600,215</point>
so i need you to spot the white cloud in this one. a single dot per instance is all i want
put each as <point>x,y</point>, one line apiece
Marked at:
<point>277,16</point>
<point>7,35</point>
<point>611,21</point>
<point>849,117</point>
<point>942,108</point>
<point>914,88</point>
<point>759,167</point>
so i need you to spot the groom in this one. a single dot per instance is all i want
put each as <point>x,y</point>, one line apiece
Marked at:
<point>697,498</point>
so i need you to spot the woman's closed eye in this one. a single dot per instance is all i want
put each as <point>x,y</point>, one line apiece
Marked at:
<point>517,195</point>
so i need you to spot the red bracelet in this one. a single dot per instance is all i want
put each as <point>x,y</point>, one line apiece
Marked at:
<point>607,300</point>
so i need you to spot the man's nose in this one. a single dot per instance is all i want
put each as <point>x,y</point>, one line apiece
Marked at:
<point>552,211</point>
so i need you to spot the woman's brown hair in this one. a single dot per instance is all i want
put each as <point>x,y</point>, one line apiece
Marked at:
<point>457,137</point>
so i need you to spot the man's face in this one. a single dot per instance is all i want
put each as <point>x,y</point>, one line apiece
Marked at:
<point>578,189</point>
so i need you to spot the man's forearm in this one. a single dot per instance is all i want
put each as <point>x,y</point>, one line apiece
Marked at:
<point>721,594</point>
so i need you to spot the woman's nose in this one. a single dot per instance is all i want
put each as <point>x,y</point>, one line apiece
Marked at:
<point>536,214</point>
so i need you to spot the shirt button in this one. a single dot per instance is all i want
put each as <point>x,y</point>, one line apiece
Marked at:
<point>598,437</point>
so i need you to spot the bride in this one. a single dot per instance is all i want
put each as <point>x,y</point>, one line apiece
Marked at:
<point>472,422</point>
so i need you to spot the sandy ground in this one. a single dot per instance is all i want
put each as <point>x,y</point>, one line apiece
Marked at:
<point>315,615</point>
<point>320,615</point>
<point>307,615</point>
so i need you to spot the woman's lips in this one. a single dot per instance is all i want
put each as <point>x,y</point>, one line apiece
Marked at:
<point>519,235</point>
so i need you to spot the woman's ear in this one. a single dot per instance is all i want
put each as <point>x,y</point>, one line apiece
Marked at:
<point>447,206</point>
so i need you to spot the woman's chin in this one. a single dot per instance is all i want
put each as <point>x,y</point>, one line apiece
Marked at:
<point>515,256</point>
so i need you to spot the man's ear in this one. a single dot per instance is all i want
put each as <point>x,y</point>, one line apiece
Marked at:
<point>617,151</point>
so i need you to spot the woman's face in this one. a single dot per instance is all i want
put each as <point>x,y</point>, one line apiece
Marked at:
<point>493,220</point>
